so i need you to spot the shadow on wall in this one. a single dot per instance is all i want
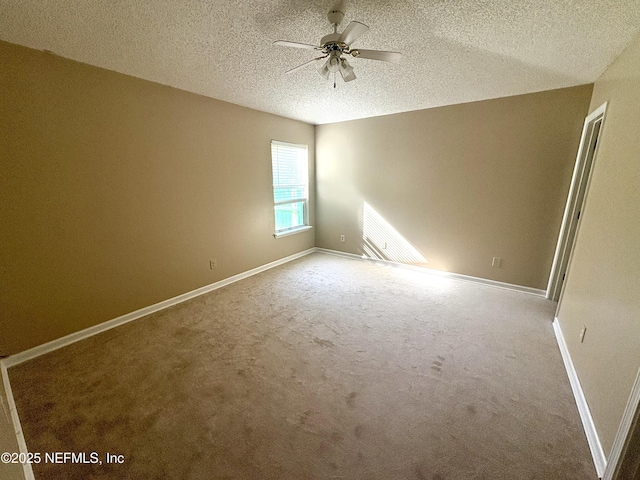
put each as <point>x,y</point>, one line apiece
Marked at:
<point>383,242</point>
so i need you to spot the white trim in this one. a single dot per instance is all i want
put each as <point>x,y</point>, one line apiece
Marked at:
<point>128,317</point>
<point>565,217</point>
<point>109,324</point>
<point>561,246</point>
<point>22,445</point>
<point>585,415</point>
<point>456,276</point>
<point>292,231</point>
<point>630,417</point>
<point>599,459</point>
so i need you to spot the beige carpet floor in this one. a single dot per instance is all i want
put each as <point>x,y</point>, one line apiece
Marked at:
<point>323,368</point>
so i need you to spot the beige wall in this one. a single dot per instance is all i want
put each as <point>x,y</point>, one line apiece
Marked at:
<point>602,289</point>
<point>115,193</point>
<point>461,184</point>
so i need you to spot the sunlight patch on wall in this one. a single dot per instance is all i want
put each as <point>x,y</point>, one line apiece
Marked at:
<point>380,240</point>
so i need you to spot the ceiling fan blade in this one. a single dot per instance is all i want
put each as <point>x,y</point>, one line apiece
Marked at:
<point>304,64</point>
<point>285,43</point>
<point>353,32</point>
<point>393,57</point>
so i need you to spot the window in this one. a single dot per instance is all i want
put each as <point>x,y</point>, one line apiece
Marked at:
<point>290,187</point>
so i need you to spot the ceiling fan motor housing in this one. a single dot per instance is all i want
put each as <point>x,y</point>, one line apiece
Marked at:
<point>332,38</point>
<point>335,17</point>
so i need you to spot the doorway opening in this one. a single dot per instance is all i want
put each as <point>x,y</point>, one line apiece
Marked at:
<point>575,202</point>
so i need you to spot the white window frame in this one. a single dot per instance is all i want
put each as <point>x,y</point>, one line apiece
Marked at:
<point>305,199</point>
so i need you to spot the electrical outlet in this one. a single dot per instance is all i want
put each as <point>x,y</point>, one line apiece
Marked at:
<point>384,246</point>
<point>496,262</point>
<point>582,332</point>
<point>342,238</point>
<point>213,263</point>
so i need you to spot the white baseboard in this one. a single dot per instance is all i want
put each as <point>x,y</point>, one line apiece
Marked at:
<point>630,420</point>
<point>457,276</point>
<point>109,324</point>
<point>599,459</point>
<point>585,414</point>
<point>22,446</point>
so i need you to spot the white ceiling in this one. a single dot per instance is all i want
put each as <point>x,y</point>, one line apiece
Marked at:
<point>454,51</point>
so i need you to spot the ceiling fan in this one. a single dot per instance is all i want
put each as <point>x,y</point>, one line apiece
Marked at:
<point>336,46</point>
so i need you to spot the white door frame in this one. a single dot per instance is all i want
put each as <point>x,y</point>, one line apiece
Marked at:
<point>587,151</point>
<point>630,422</point>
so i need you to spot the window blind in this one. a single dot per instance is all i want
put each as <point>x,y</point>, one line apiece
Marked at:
<point>290,184</point>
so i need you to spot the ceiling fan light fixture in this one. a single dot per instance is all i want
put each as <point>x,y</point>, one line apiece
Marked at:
<point>324,70</point>
<point>346,70</point>
<point>334,64</point>
<point>334,45</point>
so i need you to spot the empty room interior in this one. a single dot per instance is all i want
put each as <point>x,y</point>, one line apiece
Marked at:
<point>320,240</point>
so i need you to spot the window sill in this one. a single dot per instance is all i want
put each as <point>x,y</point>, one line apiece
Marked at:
<point>293,231</point>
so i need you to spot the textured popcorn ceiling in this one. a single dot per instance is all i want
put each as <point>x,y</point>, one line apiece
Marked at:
<point>453,51</point>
